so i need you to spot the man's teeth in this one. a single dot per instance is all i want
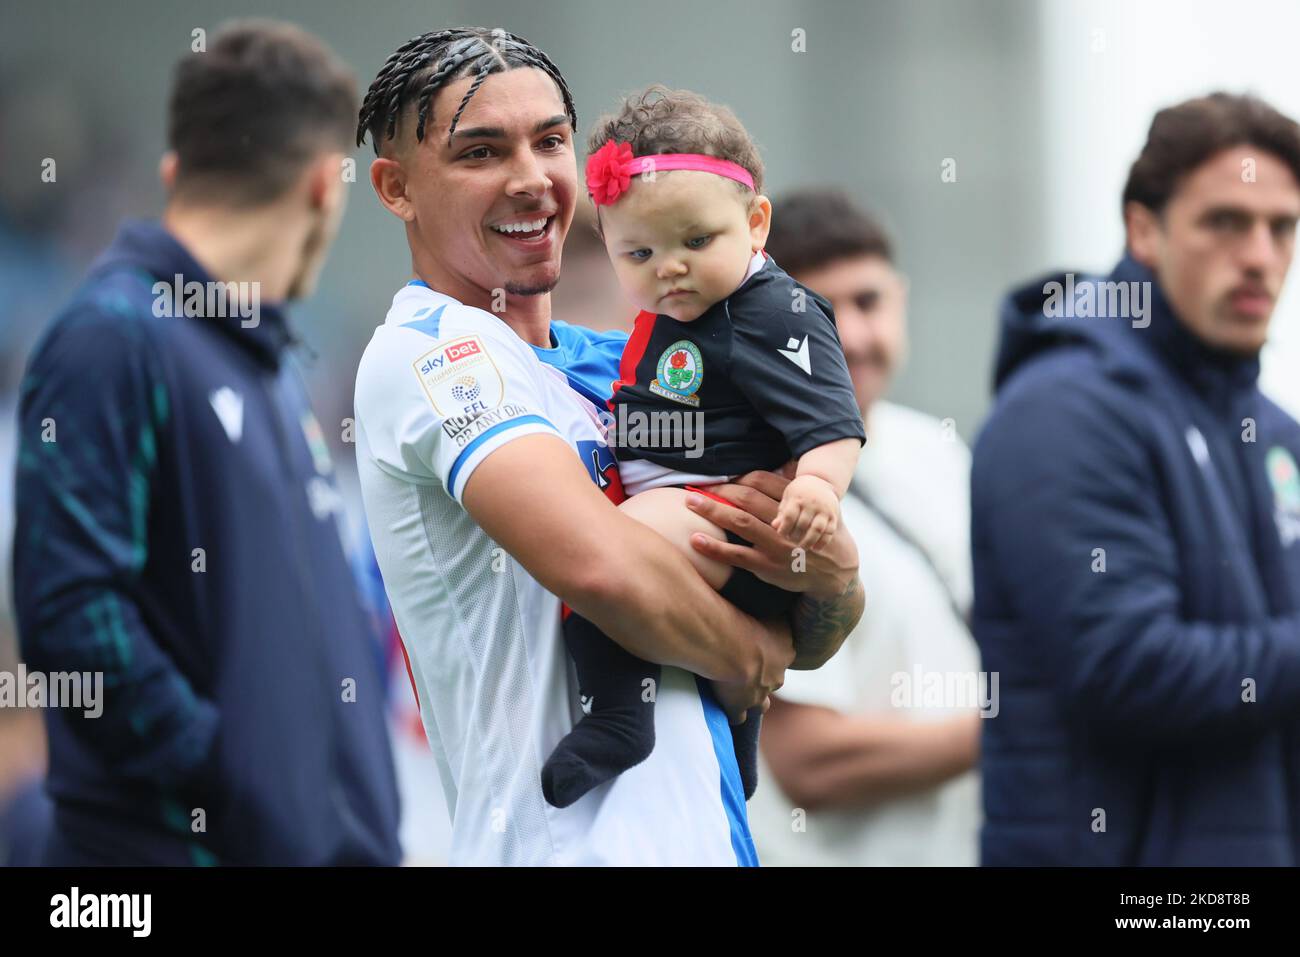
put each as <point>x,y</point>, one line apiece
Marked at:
<point>530,227</point>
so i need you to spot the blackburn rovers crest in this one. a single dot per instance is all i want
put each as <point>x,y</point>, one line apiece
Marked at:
<point>679,373</point>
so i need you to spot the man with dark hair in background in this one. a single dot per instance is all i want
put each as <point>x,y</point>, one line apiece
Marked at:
<point>177,515</point>
<point>884,781</point>
<point>1136,519</point>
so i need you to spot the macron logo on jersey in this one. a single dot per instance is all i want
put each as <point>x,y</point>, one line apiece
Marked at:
<point>797,352</point>
<point>229,407</point>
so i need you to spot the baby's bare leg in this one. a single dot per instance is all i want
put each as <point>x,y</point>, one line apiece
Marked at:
<point>665,511</point>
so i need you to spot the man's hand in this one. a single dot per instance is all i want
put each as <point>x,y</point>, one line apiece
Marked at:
<point>825,574</point>
<point>832,599</point>
<point>777,654</point>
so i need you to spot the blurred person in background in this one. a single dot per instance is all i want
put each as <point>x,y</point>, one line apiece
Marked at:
<point>1136,525</point>
<point>24,807</point>
<point>177,516</point>
<point>588,293</point>
<point>879,784</point>
<point>42,231</point>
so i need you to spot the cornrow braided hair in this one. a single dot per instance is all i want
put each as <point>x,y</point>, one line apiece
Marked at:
<point>424,64</point>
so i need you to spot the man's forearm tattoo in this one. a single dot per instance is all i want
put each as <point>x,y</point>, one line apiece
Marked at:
<point>819,626</point>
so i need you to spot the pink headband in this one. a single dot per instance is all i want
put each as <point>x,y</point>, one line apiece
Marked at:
<point>610,169</point>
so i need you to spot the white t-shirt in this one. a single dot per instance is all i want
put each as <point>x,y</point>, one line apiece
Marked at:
<point>917,472</point>
<point>441,386</point>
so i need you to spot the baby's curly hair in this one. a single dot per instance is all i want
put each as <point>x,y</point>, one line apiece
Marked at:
<point>662,120</point>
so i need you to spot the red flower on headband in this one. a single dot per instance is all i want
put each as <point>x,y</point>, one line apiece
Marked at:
<point>607,173</point>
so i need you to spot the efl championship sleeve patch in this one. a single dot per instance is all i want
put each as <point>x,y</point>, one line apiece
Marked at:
<point>460,378</point>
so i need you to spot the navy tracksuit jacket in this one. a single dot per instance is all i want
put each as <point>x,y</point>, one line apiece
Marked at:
<point>240,681</point>
<point>1136,535</point>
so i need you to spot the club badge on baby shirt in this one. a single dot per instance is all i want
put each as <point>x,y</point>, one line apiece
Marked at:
<point>679,373</point>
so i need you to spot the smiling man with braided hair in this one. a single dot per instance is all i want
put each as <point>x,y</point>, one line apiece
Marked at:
<point>490,491</point>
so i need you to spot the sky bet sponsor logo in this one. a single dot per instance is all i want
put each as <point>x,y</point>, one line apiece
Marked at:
<point>464,429</point>
<point>453,353</point>
<point>462,350</point>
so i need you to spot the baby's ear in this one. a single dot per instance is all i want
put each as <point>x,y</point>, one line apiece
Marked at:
<point>760,221</point>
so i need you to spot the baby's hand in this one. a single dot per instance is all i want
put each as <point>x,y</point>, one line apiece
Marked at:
<point>809,512</point>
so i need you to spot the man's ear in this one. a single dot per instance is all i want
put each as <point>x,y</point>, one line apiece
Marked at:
<point>1143,231</point>
<point>325,186</point>
<point>760,221</point>
<point>904,289</point>
<point>389,180</point>
<point>167,170</point>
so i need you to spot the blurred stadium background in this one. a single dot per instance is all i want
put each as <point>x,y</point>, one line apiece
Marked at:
<point>1042,106</point>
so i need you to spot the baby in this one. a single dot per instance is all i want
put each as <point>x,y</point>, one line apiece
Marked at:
<point>724,335</point>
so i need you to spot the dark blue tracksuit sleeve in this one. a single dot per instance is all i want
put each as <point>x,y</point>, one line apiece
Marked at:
<point>81,542</point>
<point>1060,473</point>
